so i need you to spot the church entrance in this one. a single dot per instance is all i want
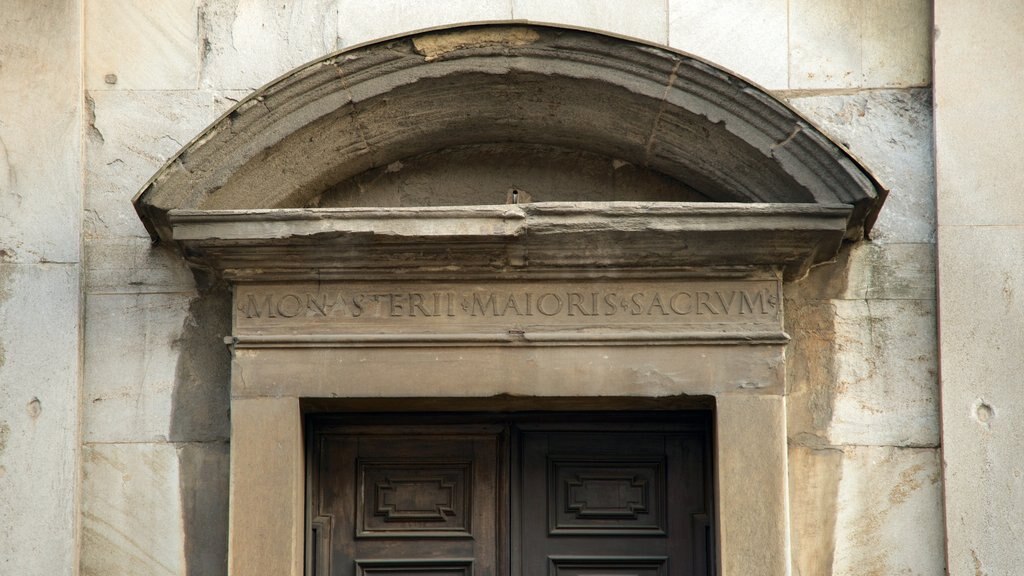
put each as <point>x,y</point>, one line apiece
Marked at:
<point>563,494</point>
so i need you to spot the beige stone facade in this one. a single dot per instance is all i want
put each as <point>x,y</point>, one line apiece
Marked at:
<point>867,428</point>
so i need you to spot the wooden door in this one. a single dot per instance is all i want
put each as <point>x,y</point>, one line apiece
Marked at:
<point>612,500</point>
<point>423,501</point>
<point>551,495</point>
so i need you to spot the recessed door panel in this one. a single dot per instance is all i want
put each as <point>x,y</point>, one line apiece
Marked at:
<point>601,500</point>
<point>418,502</point>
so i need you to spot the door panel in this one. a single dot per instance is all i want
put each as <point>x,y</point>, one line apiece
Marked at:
<point>408,504</point>
<point>606,501</point>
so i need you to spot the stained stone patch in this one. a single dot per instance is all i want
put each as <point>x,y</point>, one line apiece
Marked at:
<point>131,355</point>
<point>131,510</point>
<point>889,512</point>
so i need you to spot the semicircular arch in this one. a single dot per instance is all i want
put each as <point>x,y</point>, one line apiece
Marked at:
<point>561,101</point>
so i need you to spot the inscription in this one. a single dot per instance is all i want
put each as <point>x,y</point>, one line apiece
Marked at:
<point>519,312</point>
<point>590,304</point>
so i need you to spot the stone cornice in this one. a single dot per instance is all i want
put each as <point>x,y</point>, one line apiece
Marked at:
<point>712,238</point>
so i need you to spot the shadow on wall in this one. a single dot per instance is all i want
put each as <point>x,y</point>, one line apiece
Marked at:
<point>200,427</point>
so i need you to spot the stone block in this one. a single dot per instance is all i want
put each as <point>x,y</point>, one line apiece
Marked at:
<point>896,47</point>
<point>205,473</point>
<point>749,38</point>
<point>982,285</point>
<point>365,20</point>
<point>267,479</point>
<point>129,136</point>
<point>862,372</point>
<point>890,131</point>
<point>863,44</point>
<point>39,51</point>
<point>873,271</point>
<point>40,189</point>
<point>755,523</point>
<point>886,374</point>
<point>643,19</point>
<point>131,510</point>
<point>978,87</point>
<point>124,40</point>
<point>249,43</point>
<point>814,475</point>
<point>155,368</point>
<point>889,513</point>
<point>131,359</point>
<point>39,403</point>
<point>133,265</point>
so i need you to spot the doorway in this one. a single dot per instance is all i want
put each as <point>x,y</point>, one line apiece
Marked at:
<point>559,494</point>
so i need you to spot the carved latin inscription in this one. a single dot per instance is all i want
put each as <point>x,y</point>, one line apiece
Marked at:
<point>527,310</point>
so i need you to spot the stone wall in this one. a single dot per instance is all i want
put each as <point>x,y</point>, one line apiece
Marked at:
<point>40,280</point>
<point>113,376</point>
<point>981,238</point>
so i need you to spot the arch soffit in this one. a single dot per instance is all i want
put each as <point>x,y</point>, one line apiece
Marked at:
<point>273,156</point>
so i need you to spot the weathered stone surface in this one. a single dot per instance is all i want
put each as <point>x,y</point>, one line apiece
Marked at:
<point>38,417</point>
<point>39,185</point>
<point>866,44</point>
<point>891,132</point>
<point>204,473</point>
<point>814,477</point>
<point>888,515</point>
<point>129,136</point>
<point>124,40</point>
<point>645,19</point>
<point>131,357</point>
<point>874,271</point>
<point>169,380</point>
<point>365,20</point>
<point>130,265</point>
<point>886,374</point>
<point>749,38</point>
<point>132,520</point>
<point>982,286</point>
<point>862,372</point>
<point>977,86</point>
<point>754,523</point>
<point>267,502</point>
<point>246,44</point>
<point>39,51</point>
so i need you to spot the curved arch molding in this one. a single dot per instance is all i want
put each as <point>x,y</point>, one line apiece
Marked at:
<point>770,182</point>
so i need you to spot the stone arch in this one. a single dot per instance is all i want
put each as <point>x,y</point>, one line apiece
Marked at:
<point>564,100</point>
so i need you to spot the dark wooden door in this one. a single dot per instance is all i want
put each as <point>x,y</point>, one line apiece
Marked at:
<point>612,500</point>
<point>548,495</point>
<point>422,501</point>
